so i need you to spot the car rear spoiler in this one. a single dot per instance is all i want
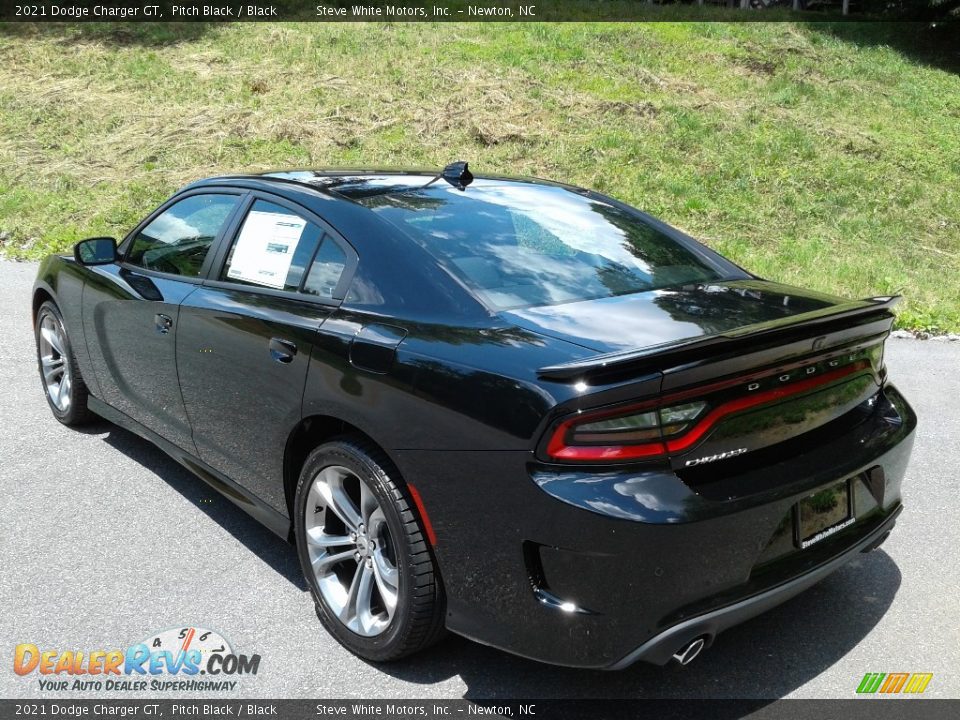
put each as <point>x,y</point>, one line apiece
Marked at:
<point>670,354</point>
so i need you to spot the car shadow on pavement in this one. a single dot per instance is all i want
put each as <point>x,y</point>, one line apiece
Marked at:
<point>765,658</point>
<point>274,551</point>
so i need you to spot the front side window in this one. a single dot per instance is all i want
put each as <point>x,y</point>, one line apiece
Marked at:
<point>178,239</point>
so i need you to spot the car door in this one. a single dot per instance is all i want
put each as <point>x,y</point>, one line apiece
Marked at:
<point>131,308</point>
<point>245,337</point>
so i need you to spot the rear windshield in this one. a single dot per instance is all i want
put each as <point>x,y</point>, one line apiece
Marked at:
<point>519,246</point>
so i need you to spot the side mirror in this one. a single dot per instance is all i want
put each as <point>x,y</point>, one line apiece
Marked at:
<point>96,251</point>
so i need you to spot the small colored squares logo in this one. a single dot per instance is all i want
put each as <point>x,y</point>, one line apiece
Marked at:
<point>894,683</point>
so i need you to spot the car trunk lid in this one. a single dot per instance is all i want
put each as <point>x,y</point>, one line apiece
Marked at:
<point>755,384</point>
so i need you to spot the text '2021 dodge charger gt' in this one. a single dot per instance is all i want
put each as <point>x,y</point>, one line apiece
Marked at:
<point>518,410</point>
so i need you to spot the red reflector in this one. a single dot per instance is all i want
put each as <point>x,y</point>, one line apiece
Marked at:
<point>424,518</point>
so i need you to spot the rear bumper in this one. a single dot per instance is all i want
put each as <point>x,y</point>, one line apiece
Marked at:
<point>660,648</point>
<point>602,567</point>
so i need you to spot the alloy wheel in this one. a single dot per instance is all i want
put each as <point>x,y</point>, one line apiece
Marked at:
<point>351,551</point>
<point>53,361</point>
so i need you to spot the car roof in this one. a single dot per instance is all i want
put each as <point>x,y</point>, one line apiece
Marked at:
<point>405,272</point>
<point>357,184</point>
<point>410,280</point>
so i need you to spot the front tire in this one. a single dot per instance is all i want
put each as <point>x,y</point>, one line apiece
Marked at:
<point>63,384</point>
<point>363,553</point>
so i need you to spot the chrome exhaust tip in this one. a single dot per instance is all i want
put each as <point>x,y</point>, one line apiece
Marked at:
<point>876,543</point>
<point>689,652</point>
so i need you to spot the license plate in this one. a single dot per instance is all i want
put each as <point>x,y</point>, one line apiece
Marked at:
<point>824,513</point>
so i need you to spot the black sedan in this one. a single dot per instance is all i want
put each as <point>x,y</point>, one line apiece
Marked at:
<point>518,410</point>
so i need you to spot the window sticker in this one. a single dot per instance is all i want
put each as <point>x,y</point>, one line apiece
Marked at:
<point>264,251</point>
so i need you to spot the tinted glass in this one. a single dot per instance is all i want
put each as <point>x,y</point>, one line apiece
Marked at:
<point>326,270</point>
<point>272,249</point>
<point>178,239</point>
<point>525,245</point>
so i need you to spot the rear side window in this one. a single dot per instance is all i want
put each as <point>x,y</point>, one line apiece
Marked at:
<point>326,269</point>
<point>273,249</point>
<point>279,249</point>
<point>178,239</point>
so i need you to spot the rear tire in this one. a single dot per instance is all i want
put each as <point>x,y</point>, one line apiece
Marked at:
<point>365,558</point>
<point>63,385</point>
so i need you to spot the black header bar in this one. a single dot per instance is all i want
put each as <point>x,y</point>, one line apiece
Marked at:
<point>44,11</point>
<point>858,709</point>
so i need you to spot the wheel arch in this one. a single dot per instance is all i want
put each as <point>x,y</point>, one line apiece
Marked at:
<point>310,433</point>
<point>40,295</point>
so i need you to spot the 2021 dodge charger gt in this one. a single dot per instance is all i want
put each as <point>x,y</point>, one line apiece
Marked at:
<point>518,410</point>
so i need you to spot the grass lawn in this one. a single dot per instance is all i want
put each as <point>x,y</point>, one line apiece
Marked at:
<point>824,157</point>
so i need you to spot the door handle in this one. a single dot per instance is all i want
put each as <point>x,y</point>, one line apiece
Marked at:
<point>282,350</point>
<point>163,323</point>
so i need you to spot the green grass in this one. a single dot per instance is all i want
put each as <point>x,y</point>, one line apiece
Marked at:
<point>827,159</point>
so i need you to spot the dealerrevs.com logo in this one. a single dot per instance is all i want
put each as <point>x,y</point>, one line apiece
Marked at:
<point>179,659</point>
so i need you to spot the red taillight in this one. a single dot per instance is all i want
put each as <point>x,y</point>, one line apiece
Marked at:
<point>559,450</point>
<point>648,431</point>
<point>621,435</point>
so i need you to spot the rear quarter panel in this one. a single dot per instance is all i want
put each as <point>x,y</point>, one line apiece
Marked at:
<point>450,387</point>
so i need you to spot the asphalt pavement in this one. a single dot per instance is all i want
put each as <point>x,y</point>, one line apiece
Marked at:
<point>105,541</point>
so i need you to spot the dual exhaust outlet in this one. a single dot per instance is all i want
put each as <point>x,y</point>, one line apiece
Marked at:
<point>686,654</point>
